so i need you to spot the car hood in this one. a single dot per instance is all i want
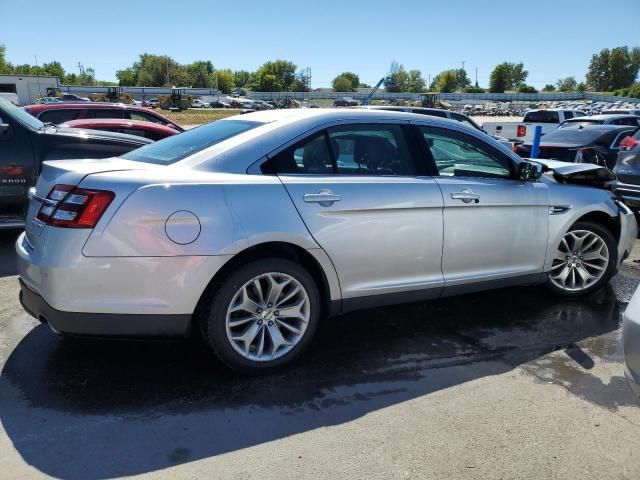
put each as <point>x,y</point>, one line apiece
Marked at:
<point>580,173</point>
<point>98,135</point>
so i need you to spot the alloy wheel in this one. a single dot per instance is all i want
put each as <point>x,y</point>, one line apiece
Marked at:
<point>581,260</point>
<point>268,316</point>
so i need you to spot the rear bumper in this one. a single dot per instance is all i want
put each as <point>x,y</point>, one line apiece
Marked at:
<point>103,324</point>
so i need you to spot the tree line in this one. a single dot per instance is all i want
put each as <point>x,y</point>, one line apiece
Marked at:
<point>610,70</point>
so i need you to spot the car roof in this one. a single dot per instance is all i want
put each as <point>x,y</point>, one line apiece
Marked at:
<point>604,116</point>
<point>280,127</point>
<point>63,105</point>
<point>118,122</point>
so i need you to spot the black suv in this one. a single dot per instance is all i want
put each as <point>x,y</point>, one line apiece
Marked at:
<point>26,142</point>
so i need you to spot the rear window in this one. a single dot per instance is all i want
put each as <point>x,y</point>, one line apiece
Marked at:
<point>543,116</point>
<point>178,147</point>
<point>58,116</point>
<point>573,135</point>
<point>580,123</point>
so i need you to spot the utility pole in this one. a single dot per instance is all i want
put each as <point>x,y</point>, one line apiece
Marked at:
<point>463,62</point>
<point>38,76</point>
<point>476,76</point>
<point>308,78</point>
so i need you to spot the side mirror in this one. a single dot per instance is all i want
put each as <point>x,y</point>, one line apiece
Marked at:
<point>530,171</point>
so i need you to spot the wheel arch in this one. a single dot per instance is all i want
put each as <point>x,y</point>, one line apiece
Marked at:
<point>604,219</point>
<point>279,249</point>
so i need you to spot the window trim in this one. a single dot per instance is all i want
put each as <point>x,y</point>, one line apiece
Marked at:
<point>419,158</point>
<point>464,136</point>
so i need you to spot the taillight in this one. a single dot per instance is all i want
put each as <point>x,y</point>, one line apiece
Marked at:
<point>72,207</point>
<point>522,130</point>
<point>628,143</point>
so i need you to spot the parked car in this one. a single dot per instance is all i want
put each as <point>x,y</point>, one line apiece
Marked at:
<point>219,104</point>
<point>253,228</point>
<point>345,102</point>
<point>150,130</point>
<point>197,103</point>
<point>626,111</point>
<point>631,342</point>
<point>46,100</point>
<point>627,170</point>
<point>152,103</point>
<point>442,113</point>
<point>630,120</point>
<point>60,113</point>
<point>523,131</point>
<point>597,144</point>
<point>25,142</point>
<point>72,97</point>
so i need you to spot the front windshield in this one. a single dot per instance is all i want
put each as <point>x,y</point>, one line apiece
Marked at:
<point>10,110</point>
<point>178,147</point>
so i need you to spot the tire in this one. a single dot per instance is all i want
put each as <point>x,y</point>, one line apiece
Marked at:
<point>165,104</point>
<point>222,336</point>
<point>602,270</point>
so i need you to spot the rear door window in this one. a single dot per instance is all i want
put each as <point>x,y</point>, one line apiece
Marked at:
<point>58,116</point>
<point>146,117</point>
<point>542,116</point>
<point>568,115</point>
<point>107,113</point>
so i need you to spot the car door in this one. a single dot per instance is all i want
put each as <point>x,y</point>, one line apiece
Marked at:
<point>495,226</point>
<point>367,202</point>
<point>17,167</point>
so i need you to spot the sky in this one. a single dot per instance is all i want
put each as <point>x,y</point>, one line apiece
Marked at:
<point>554,39</point>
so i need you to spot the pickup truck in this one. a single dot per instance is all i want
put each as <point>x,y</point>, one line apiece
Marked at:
<point>26,142</point>
<point>520,132</point>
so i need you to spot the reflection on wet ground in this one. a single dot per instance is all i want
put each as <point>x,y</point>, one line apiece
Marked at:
<point>70,406</point>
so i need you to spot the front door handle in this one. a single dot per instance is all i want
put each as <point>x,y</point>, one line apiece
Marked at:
<point>466,195</point>
<point>325,198</point>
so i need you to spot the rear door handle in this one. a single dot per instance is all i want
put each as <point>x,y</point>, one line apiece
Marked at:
<point>325,198</point>
<point>466,195</point>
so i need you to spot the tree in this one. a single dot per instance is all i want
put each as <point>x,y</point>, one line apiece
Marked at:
<point>500,79</point>
<point>302,83</point>
<point>445,82</point>
<point>507,76</point>
<point>463,79</point>
<point>613,69</point>
<point>126,77</point>
<point>473,89</point>
<point>5,66</point>
<point>524,88</point>
<point>273,76</point>
<point>345,82</point>
<point>242,77</point>
<point>581,87</point>
<point>224,79</point>
<point>200,74</point>
<point>568,84</point>
<point>634,90</point>
<point>397,80</point>
<point>549,88</point>
<point>415,81</point>
<point>341,84</point>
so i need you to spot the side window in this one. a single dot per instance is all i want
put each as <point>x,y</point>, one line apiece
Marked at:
<point>463,119</point>
<point>568,115</point>
<point>311,156</point>
<point>142,116</point>
<point>370,150</point>
<point>58,116</point>
<point>433,113</point>
<point>107,113</point>
<point>460,155</point>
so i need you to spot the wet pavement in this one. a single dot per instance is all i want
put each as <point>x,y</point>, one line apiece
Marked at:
<point>454,388</point>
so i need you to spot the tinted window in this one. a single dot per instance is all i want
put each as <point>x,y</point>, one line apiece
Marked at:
<point>460,155</point>
<point>311,156</point>
<point>542,116</point>
<point>370,150</point>
<point>433,113</point>
<point>579,114</point>
<point>8,108</point>
<point>107,113</point>
<point>625,121</point>
<point>58,116</point>
<point>568,115</point>
<point>580,136</point>
<point>175,148</point>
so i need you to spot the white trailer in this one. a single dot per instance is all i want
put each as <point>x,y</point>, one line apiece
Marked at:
<point>27,87</point>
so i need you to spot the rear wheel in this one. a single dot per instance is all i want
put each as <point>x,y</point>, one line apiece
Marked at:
<point>584,261</point>
<point>263,315</point>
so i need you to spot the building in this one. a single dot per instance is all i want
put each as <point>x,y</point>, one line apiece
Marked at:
<point>27,87</point>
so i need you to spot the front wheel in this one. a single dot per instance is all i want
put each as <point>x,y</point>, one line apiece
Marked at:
<point>584,261</point>
<point>263,315</point>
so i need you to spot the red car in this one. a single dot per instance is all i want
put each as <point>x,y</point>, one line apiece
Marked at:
<point>150,130</point>
<point>63,112</point>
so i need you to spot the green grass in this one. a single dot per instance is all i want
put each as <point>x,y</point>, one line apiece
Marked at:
<point>199,116</point>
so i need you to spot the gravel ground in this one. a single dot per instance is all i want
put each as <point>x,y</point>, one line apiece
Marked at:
<point>508,384</point>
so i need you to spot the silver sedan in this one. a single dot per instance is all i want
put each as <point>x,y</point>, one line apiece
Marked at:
<point>250,230</point>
